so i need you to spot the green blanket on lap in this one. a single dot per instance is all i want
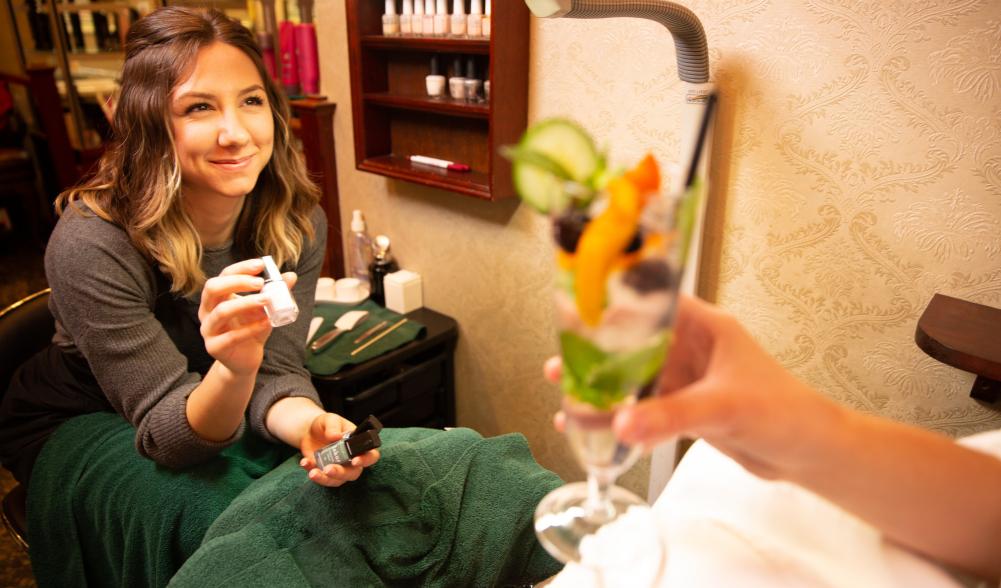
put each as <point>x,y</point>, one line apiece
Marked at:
<point>99,514</point>
<point>439,509</point>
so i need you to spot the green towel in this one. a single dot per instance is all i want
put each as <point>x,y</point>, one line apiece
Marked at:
<point>99,514</point>
<point>441,508</point>
<point>338,354</point>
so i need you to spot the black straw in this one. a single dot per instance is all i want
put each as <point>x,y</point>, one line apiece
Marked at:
<point>700,141</point>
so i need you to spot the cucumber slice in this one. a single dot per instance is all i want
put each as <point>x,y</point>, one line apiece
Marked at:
<point>552,153</point>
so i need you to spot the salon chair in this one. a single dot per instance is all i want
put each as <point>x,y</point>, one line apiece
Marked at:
<point>26,327</point>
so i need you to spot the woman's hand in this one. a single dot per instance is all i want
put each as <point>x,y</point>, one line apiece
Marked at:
<point>236,327</point>
<point>325,429</point>
<point>719,384</point>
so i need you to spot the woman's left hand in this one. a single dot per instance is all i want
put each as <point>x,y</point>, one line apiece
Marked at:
<point>325,429</point>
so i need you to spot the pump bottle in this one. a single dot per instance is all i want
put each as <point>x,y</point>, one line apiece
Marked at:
<point>360,248</point>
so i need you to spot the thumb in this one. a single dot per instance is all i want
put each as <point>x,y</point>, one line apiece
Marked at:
<point>689,411</point>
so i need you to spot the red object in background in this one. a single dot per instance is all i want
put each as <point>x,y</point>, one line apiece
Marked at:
<point>267,45</point>
<point>290,71</point>
<point>308,58</point>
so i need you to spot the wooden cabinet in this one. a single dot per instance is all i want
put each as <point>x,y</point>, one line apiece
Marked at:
<point>394,117</point>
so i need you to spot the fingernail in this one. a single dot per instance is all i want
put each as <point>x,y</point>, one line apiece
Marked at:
<point>258,282</point>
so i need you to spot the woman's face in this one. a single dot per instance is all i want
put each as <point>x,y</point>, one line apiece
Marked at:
<point>222,123</point>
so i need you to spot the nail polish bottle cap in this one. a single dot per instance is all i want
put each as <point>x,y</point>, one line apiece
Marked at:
<point>408,6</point>
<point>470,69</point>
<point>457,67</point>
<point>428,6</point>
<point>390,6</point>
<point>476,7</point>
<point>488,7</point>
<point>459,7</point>
<point>271,271</point>
<point>442,7</point>
<point>435,66</point>
<point>418,7</point>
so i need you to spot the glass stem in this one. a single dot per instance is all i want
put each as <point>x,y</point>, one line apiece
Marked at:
<point>599,488</point>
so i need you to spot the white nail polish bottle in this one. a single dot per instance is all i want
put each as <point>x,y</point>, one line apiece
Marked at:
<point>406,19</point>
<point>459,18</point>
<point>281,307</point>
<point>417,21</point>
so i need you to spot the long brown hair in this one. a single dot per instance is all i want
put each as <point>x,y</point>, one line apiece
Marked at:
<point>137,185</point>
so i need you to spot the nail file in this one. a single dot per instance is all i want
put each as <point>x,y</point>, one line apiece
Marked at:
<point>314,326</point>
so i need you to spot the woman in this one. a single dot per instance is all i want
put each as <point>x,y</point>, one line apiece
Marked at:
<point>150,257</point>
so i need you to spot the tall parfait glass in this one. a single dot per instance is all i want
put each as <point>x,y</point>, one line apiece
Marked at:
<point>619,266</point>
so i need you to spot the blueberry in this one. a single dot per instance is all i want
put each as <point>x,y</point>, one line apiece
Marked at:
<point>568,228</point>
<point>649,275</point>
<point>636,244</point>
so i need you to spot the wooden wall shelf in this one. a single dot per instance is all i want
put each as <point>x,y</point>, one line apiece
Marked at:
<point>394,118</point>
<point>964,335</point>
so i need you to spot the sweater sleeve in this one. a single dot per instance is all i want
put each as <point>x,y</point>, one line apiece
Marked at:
<point>283,372</point>
<point>103,295</point>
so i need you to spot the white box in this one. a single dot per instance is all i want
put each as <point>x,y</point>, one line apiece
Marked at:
<point>403,291</point>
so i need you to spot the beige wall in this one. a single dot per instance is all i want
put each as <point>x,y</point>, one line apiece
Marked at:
<point>858,172</point>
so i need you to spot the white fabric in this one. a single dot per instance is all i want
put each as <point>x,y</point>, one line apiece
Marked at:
<point>724,527</point>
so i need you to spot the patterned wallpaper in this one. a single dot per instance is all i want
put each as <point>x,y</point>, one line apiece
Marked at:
<point>857,171</point>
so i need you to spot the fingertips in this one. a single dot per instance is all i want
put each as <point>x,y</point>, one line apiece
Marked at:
<point>553,369</point>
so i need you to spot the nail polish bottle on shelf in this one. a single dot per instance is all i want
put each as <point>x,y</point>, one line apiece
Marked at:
<point>457,83</point>
<point>474,22</point>
<point>441,21</point>
<point>472,84</point>
<point>486,90</point>
<point>459,18</point>
<point>435,81</point>
<point>417,21</point>
<point>390,20</point>
<point>486,21</point>
<point>428,18</point>
<point>406,19</point>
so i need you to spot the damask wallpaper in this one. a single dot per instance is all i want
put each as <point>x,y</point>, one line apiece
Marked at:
<point>856,172</point>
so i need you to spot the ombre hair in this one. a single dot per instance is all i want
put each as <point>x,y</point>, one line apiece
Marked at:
<point>137,185</point>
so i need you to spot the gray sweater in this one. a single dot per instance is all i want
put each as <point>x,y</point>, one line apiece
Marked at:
<point>142,342</point>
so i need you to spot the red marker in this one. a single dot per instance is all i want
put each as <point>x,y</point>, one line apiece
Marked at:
<point>449,165</point>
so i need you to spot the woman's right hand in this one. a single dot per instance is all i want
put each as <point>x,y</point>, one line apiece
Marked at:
<point>236,327</point>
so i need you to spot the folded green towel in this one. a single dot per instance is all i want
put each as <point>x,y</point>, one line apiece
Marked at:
<point>338,354</point>
<point>99,514</point>
<point>441,508</point>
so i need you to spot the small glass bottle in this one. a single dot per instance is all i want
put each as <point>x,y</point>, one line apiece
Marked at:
<point>417,21</point>
<point>280,306</point>
<point>390,20</point>
<point>359,249</point>
<point>486,21</point>
<point>435,82</point>
<point>457,83</point>
<point>459,18</point>
<point>441,21</point>
<point>472,83</point>
<point>406,19</point>
<point>383,265</point>
<point>474,22</point>
<point>428,18</point>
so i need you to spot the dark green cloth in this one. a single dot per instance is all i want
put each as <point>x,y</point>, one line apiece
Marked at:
<point>338,354</point>
<point>99,514</point>
<point>441,508</point>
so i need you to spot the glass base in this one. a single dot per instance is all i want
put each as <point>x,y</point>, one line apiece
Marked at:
<point>567,515</point>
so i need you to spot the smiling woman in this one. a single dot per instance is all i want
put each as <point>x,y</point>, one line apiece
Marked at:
<point>155,273</point>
